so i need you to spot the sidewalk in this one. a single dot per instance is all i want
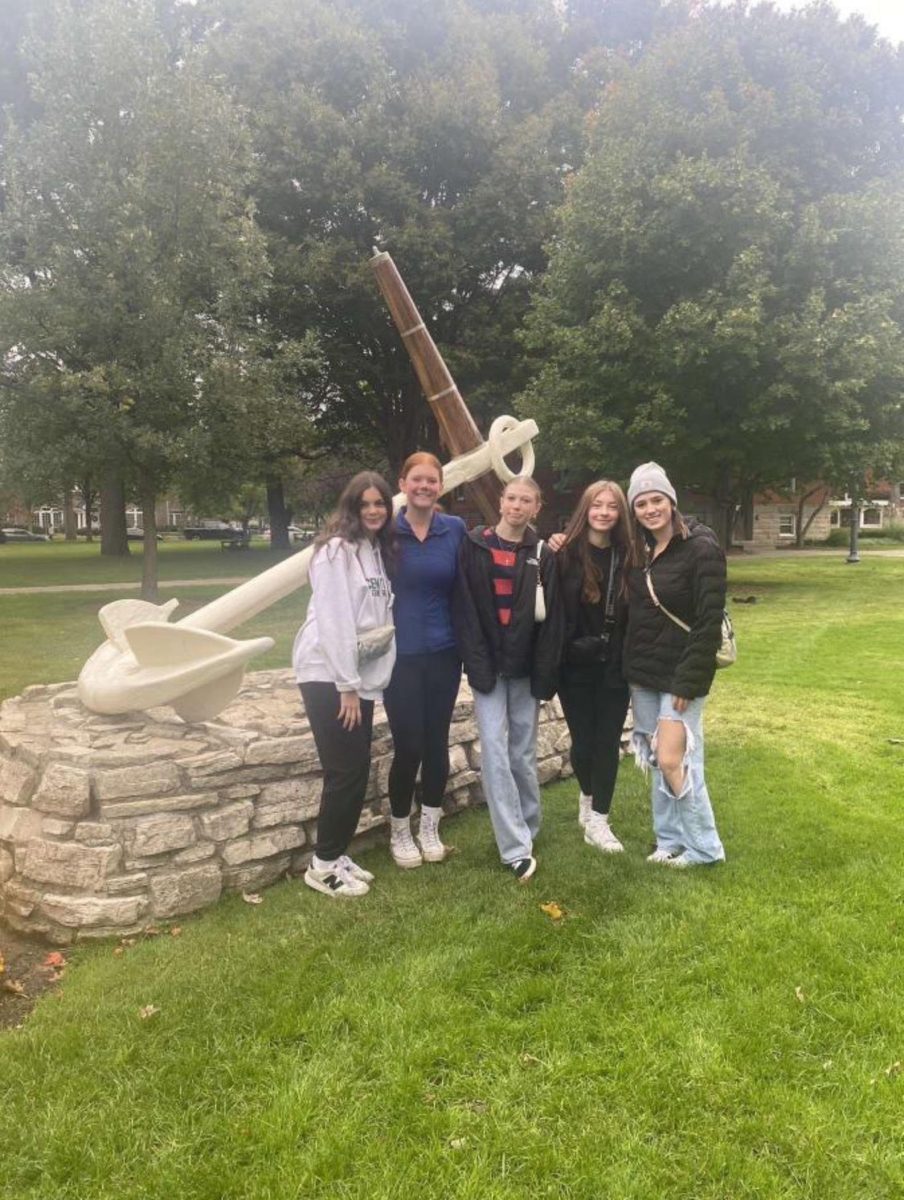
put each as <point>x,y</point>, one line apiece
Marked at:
<point>126,586</point>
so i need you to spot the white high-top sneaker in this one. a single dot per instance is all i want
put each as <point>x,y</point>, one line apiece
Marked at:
<point>428,837</point>
<point>585,808</point>
<point>597,833</point>
<point>405,853</point>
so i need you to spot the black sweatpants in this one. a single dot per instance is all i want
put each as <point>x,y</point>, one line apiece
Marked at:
<point>419,703</point>
<point>595,715</point>
<point>345,760</point>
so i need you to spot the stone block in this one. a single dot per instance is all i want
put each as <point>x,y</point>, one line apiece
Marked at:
<point>303,792</point>
<point>549,769</point>
<point>19,824</point>
<point>17,781</point>
<point>547,735</point>
<point>458,759</point>
<point>54,827</point>
<point>77,912</point>
<point>194,853</point>
<point>93,833</point>
<point>262,845</point>
<point>152,779</point>
<point>282,750</point>
<point>157,835</point>
<point>228,821</point>
<point>218,762</point>
<point>21,899</point>
<point>6,865</point>
<point>64,791</point>
<point>159,804</point>
<point>281,812</point>
<point>174,892</point>
<point>474,755</point>
<point>127,885</point>
<point>68,863</point>
<point>255,875</point>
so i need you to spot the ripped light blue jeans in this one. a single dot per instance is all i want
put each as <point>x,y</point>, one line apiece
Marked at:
<point>684,822</point>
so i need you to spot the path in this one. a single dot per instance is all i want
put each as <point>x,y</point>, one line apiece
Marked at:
<point>164,585</point>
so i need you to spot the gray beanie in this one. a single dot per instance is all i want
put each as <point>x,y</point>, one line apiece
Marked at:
<point>649,477</point>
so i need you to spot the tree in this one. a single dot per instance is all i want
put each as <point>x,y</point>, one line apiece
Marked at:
<point>437,132</point>
<point>725,287</point>
<point>131,262</point>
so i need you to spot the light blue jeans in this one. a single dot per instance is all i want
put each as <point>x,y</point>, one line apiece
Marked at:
<point>507,723</point>
<point>684,822</point>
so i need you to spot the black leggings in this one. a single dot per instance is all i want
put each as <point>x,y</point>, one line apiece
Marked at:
<point>345,759</point>
<point>595,715</point>
<point>419,702</point>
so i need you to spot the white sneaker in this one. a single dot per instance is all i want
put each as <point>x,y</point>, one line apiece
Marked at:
<point>405,853</point>
<point>428,838</point>
<point>662,856</point>
<point>335,880</point>
<point>524,868</point>
<point>597,833</point>
<point>585,808</point>
<point>354,870</point>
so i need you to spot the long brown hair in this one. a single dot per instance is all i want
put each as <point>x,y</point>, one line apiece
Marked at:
<point>345,521</point>
<point>577,536</point>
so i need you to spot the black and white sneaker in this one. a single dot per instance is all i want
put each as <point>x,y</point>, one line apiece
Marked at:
<point>523,869</point>
<point>334,879</point>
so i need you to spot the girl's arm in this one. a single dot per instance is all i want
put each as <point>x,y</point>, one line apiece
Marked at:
<point>331,582</point>
<point>697,665</point>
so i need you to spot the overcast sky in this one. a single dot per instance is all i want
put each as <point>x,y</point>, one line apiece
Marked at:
<point>887,15</point>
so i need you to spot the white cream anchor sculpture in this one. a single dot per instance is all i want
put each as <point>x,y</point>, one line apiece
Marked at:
<point>191,665</point>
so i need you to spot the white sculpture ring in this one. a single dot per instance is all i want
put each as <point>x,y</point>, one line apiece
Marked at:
<point>505,474</point>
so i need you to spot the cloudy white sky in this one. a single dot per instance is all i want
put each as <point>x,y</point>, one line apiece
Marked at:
<point>887,15</point>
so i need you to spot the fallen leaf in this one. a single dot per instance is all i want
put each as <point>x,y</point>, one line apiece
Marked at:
<point>14,987</point>
<point>554,911</point>
<point>457,1143</point>
<point>55,959</point>
<point>118,951</point>
<point>529,1059</point>
<point>894,1069</point>
<point>252,898</point>
<point>151,931</point>
<point>2,964</point>
<point>799,993</point>
<point>149,1010</point>
<point>127,942</point>
<point>176,931</point>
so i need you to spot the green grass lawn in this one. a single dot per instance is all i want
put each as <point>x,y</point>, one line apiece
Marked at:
<point>42,564</point>
<point>724,1033</point>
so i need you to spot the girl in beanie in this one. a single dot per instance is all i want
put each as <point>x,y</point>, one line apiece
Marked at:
<point>673,565</point>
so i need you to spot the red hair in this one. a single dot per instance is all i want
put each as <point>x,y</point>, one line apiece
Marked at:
<point>420,458</point>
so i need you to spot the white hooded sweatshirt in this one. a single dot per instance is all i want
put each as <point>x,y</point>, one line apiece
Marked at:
<point>350,594</point>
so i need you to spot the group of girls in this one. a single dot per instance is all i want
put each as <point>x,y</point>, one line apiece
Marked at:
<point>590,616</point>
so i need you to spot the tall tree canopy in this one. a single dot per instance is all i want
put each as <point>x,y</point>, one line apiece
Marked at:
<point>726,285</point>
<point>131,261</point>
<point>438,132</point>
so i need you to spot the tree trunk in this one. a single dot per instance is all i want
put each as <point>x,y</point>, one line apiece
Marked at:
<point>149,565</point>
<point>801,527</point>
<point>279,515</point>
<point>113,540</point>
<point>70,525</point>
<point>88,501</point>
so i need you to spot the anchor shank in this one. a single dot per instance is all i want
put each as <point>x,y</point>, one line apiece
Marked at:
<point>457,428</point>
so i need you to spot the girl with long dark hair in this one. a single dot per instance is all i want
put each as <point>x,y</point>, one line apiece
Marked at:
<point>343,659</point>
<point>676,569</point>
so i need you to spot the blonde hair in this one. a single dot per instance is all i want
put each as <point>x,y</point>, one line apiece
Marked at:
<point>527,481</point>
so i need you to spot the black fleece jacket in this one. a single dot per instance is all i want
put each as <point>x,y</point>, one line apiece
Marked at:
<point>689,579</point>
<point>489,649</point>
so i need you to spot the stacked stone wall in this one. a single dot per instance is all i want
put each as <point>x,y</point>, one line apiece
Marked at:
<point>109,824</point>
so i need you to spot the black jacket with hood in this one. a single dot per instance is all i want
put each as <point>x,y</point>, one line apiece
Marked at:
<point>689,579</point>
<point>488,648</point>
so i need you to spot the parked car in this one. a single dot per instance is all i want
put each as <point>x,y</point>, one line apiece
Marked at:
<point>211,531</point>
<point>15,533</point>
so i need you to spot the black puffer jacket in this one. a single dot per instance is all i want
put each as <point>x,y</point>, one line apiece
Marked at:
<point>489,649</point>
<point>689,579</point>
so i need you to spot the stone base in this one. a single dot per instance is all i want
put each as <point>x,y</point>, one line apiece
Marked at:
<point>110,824</point>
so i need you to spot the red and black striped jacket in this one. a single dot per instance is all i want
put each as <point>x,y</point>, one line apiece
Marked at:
<point>488,647</point>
